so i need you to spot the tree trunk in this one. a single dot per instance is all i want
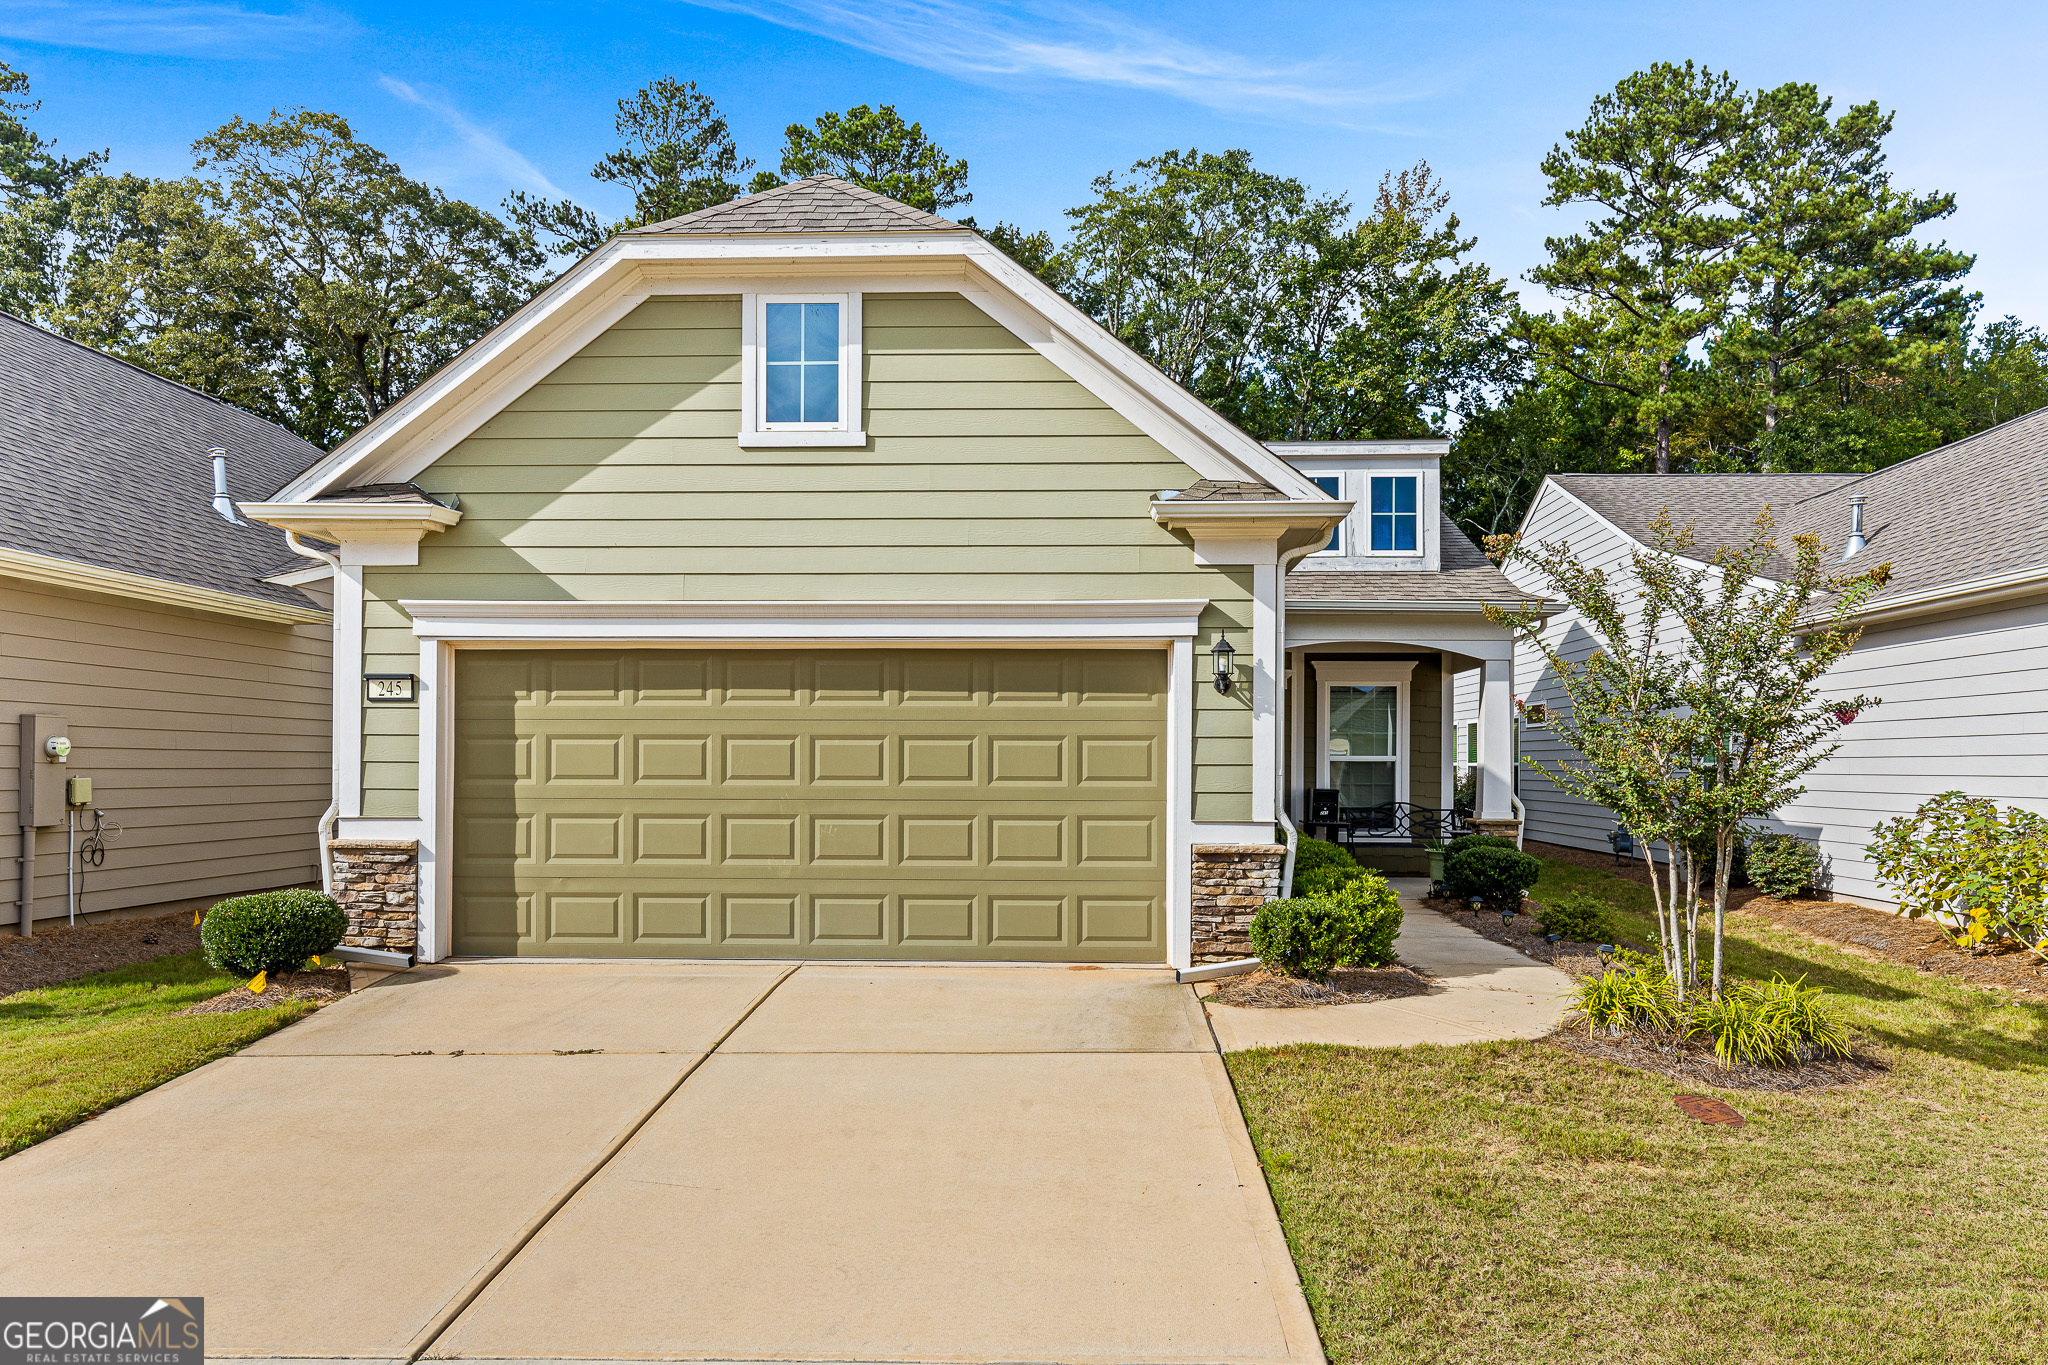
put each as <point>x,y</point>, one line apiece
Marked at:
<point>1724,872</point>
<point>1664,418</point>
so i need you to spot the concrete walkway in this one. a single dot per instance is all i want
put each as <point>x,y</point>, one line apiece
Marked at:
<point>556,1162</point>
<point>1485,991</point>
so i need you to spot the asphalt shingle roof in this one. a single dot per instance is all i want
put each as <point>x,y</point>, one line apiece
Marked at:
<point>1960,512</point>
<point>816,203</point>
<point>1226,490</point>
<point>1467,575</point>
<point>106,464</point>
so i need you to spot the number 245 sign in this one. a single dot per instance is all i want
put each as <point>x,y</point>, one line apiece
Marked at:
<point>390,687</point>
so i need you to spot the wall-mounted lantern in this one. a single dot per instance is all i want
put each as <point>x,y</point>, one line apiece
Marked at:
<point>1220,658</point>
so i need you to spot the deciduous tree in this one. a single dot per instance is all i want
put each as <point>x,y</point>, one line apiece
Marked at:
<point>875,149</point>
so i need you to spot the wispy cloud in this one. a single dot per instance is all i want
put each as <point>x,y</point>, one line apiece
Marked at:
<point>1070,42</point>
<point>179,28</point>
<point>489,151</point>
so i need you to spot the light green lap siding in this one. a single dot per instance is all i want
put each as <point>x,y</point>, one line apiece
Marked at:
<point>988,475</point>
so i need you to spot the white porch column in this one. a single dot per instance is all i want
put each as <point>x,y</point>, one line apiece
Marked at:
<point>1496,740</point>
<point>347,736</point>
<point>1265,689</point>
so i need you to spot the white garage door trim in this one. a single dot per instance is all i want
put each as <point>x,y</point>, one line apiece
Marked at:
<point>444,626</point>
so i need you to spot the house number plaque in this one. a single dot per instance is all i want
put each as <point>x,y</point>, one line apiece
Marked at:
<point>390,687</point>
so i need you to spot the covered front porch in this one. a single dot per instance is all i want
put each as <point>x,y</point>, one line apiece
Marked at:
<point>1374,758</point>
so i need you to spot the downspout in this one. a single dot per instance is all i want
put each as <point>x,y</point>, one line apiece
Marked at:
<point>323,831</point>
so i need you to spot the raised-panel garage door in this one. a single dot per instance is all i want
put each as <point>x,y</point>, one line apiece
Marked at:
<point>975,804</point>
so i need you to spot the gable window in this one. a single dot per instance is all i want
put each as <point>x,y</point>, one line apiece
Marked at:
<point>1394,529</point>
<point>1333,484</point>
<point>800,380</point>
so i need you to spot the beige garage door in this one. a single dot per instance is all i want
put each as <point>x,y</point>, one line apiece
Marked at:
<point>976,804</point>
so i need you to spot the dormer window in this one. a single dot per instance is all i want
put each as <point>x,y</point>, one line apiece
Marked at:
<point>1394,522</point>
<point>800,376</point>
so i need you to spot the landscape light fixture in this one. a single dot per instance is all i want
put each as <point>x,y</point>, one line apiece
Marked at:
<point>1220,659</point>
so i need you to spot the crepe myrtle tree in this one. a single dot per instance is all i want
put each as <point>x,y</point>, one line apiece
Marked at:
<point>1699,710</point>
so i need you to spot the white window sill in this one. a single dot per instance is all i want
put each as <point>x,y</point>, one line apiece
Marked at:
<point>774,440</point>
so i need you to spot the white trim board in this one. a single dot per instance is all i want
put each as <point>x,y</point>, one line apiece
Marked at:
<point>71,573</point>
<point>848,623</point>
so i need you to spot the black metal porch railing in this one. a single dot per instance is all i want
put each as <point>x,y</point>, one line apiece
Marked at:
<point>1393,821</point>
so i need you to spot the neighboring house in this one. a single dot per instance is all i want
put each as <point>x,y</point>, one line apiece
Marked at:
<point>803,578</point>
<point>1956,647</point>
<point>188,655</point>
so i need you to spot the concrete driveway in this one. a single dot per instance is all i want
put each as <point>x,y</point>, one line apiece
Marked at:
<point>558,1162</point>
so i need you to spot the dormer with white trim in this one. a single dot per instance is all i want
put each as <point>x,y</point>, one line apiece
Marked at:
<point>1395,490</point>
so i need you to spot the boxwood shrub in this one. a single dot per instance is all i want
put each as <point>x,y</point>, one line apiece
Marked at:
<point>1312,936</point>
<point>275,931</point>
<point>1782,864</point>
<point>1492,873</point>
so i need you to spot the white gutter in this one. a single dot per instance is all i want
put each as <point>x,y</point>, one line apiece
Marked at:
<point>1974,592</point>
<point>69,573</point>
<point>323,829</point>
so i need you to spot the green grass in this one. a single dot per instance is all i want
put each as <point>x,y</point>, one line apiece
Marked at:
<point>71,1050</point>
<point>1511,1202</point>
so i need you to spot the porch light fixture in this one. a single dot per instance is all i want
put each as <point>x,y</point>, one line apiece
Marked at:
<point>1220,659</point>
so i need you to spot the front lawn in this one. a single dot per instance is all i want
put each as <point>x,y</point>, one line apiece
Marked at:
<point>71,1050</point>
<point>1515,1202</point>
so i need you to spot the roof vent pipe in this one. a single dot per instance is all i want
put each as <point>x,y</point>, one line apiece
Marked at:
<point>223,505</point>
<point>1856,541</point>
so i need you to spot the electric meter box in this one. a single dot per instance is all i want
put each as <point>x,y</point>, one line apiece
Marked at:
<point>42,771</point>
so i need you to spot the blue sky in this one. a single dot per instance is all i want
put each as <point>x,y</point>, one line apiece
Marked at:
<point>1042,95</point>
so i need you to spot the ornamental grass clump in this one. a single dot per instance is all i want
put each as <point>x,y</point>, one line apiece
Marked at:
<point>1638,998</point>
<point>276,931</point>
<point>1776,1023</point>
<point>1312,936</point>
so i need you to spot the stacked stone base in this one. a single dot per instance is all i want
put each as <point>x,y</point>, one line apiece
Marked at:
<point>1231,882</point>
<point>377,881</point>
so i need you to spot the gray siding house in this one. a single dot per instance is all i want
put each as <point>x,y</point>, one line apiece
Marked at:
<point>1956,646</point>
<point>188,655</point>
<point>803,578</point>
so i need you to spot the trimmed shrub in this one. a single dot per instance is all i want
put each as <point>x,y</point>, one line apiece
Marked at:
<point>1782,865</point>
<point>1465,841</point>
<point>1492,873</point>
<point>275,931</point>
<point>1304,936</point>
<point>1378,907</point>
<point>1578,915</point>
<point>1314,861</point>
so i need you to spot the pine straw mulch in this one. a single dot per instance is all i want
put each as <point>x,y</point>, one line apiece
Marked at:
<point>1696,1063</point>
<point>64,953</point>
<point>322,986</point>
<point>1261,990</point>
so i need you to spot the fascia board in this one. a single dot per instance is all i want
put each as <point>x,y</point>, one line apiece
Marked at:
<point>69,573</point>
<point>1438,446</point>
<point>1458,606</point>
<point>1987,591</point>
<point>850,624</point>
<point>340,521</point>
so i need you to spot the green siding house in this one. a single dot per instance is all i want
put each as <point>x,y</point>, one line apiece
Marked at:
<point>803,578</point>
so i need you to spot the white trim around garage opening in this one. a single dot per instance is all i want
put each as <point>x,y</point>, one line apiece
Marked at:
<point>442,627</point>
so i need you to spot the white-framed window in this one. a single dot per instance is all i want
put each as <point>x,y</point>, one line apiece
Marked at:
<point>1471,741</point>
<point>1393,511</point>
<point>1363,751</point>
<point>800,380</point>
<point>1333,484</point>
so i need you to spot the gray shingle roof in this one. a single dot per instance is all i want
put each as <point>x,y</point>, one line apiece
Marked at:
<point>1960,512</point>
<point>106,464</point>
<point>1225,490</point>
<point>1467,576</point>
<point>816,203</point>
<point>1720,508</point>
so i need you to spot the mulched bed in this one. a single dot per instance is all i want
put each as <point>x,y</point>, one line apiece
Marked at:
<point>52,955</point>
<point>1261,990</point>
<point>1915,943</point>
<point>329,983</point>
<point>1863,931</point>
<point>1695,1062</point>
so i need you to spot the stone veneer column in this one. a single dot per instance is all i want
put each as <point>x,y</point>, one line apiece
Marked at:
<point>1507,829</point>
<point>1231,882</point>
<point>377,881</point>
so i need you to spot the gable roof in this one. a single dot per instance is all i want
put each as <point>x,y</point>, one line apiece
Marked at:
<point>1467,578</point>
<point>816,203</point>
<point>106,464</point>
<point>1958,514</point>
<point>844,232</point>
